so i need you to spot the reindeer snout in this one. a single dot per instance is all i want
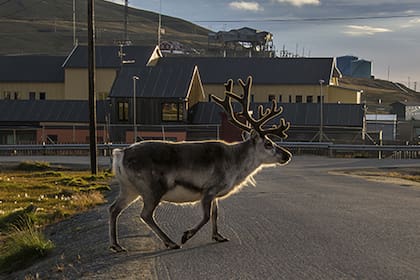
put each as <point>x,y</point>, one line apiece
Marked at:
<point>286,156</point>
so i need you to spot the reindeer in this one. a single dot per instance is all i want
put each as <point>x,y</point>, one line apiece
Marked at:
<point>189,172</point>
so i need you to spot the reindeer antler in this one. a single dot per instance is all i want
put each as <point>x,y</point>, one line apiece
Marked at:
<point>244,100</point>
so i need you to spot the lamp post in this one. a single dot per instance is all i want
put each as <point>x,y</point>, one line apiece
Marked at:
<point>135,78</point>
<point>321,123</point>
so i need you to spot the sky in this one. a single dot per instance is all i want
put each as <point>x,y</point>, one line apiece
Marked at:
<point>385,32</point>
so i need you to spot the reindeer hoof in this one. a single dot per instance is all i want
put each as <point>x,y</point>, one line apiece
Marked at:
<point>187,235</point>
<point>219,238</point>
<point>173,246</point>
<point>117,248</point>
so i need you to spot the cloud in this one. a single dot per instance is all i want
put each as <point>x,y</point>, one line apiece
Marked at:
<point>411,23</point>
<point>364,30</point>
<point>415,21</point>
<point>246,6</point>
<point>300,3</point>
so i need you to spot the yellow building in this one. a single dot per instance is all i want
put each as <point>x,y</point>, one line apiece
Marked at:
<point>109,60</point>
<point>40,77</point>
<point>31,77</point>
<point>288,80</point>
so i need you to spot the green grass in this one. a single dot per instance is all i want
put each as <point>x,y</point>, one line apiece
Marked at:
<point>33,195</point>
<point>23,245</point>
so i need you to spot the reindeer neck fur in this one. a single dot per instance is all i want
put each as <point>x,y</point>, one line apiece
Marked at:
<point>249,163</point>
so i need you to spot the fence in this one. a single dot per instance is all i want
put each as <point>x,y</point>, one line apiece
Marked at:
<point>297,148</point>
<point>79,133</point>
<point>352,150</point>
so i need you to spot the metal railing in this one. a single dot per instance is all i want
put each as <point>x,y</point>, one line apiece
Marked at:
<point>321,148</point>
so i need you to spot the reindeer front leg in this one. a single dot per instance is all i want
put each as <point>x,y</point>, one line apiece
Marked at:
<point>216,235</point>
<point>206,203</point>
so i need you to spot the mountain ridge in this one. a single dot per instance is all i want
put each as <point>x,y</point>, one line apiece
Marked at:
<point>46,26</point>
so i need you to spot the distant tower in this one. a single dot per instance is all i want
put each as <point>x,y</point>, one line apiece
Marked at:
<point>126,21</point>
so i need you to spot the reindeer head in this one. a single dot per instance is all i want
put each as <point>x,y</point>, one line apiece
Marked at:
<point>268,151</point>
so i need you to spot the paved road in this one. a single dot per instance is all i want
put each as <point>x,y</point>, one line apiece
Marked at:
<point>302,223</point>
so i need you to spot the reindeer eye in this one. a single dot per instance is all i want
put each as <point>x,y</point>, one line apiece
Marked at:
<point>268,145</point>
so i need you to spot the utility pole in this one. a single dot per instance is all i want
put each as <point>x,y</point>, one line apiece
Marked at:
<point>321,123</point>
<point>126,21</point>
<point>159,23</point>
<point>74,22</point>
<point>91,77</point>
<point>135,79</point>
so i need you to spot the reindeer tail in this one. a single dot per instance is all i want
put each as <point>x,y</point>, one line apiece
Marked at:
<point>117,157</point>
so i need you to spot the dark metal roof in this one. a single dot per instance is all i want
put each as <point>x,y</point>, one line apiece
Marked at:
<point>154,82</point>
<point>35,111</point>
<point>298,114</point>
<point>288,71</point>
<point>32,68</point>
<point>107,56</point>
<point>171,76</point>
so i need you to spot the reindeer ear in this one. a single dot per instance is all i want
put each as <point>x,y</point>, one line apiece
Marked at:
<point>253,134</point>
<point>245,135</point>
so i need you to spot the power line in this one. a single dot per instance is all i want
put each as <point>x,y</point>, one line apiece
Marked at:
<point>244,20</point>
<point>309,19</point>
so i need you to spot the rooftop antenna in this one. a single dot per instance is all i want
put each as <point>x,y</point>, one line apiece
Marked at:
<point>160,22</point>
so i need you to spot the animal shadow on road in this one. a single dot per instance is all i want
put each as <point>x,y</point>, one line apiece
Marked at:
<point>136,255</point>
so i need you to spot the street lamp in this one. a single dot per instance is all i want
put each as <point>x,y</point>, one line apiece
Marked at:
<point>321,124</point>
<point>135,78</point>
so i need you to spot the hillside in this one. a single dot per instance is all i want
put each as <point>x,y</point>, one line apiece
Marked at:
<point>46,26</point>
<point>380,94</point>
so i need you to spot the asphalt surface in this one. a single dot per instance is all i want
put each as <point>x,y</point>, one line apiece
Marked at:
<point>300,222</point>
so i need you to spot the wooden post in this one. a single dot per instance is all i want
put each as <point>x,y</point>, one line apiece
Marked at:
<point>91,75</point>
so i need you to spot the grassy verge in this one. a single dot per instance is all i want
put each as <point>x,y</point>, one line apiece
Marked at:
<point>33,195</point>
<point>406,173</point>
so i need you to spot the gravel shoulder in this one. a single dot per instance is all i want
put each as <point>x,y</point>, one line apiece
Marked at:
<point>82,248</point>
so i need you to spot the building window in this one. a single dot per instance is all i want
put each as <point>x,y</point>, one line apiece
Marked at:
<point>7,95</point>
<point>42,96</point>
<point>122,111</point>
<point>299,99</point>
<point>172,111</point>
<point>290,99</point>
<point>16,95</point>
<point>318,99</point>
<point>280,98</point>
<point>309,99</point>
<point>32,95</point>
<point>271,97</point>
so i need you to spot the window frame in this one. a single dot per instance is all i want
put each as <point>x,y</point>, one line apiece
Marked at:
<point>177,115</point>
<point>123,113</point>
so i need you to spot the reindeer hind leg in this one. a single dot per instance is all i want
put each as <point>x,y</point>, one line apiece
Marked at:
<point>149,205</point>
<point>115,210</point>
